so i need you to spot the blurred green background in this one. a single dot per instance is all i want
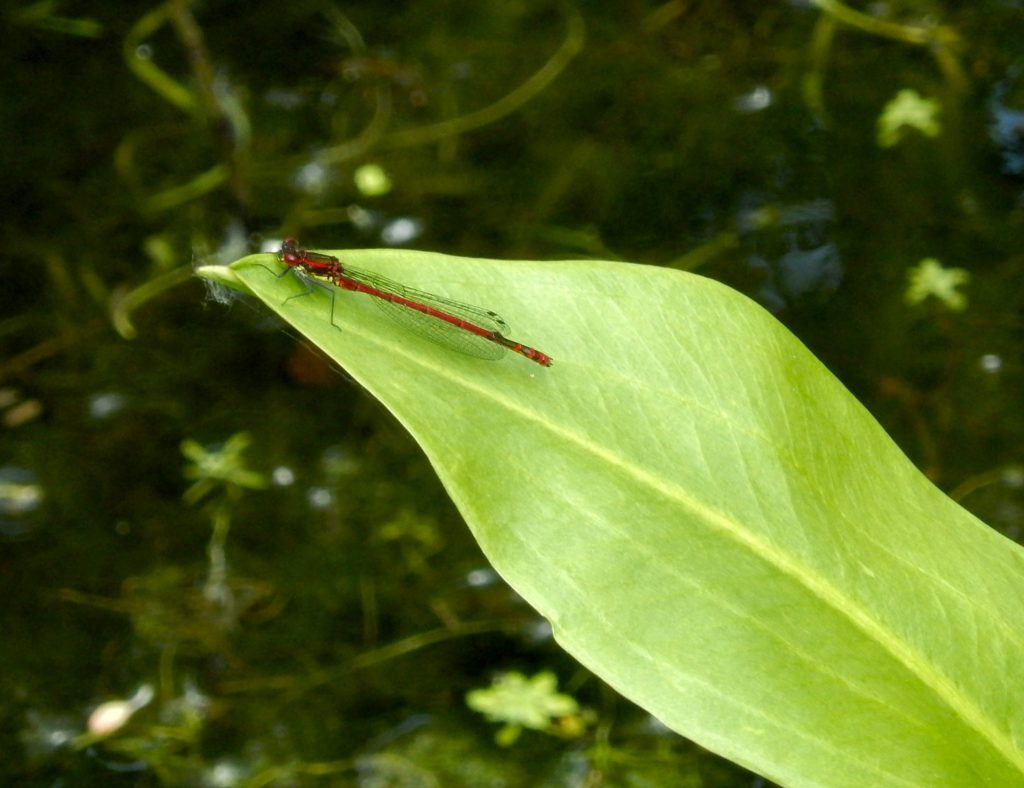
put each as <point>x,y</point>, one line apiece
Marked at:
<point>201,518</point>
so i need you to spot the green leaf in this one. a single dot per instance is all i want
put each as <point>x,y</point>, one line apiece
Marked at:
<point>709,520</point>
<point>527,702</point>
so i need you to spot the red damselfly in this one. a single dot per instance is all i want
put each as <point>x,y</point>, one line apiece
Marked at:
<point>467,329</point>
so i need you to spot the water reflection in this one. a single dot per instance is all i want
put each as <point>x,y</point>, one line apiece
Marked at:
<point>21,495</point>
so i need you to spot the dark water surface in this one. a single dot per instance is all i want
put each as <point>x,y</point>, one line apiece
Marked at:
<point>311,610</point>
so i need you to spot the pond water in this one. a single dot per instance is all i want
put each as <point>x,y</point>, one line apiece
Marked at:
<point>204,519</point>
